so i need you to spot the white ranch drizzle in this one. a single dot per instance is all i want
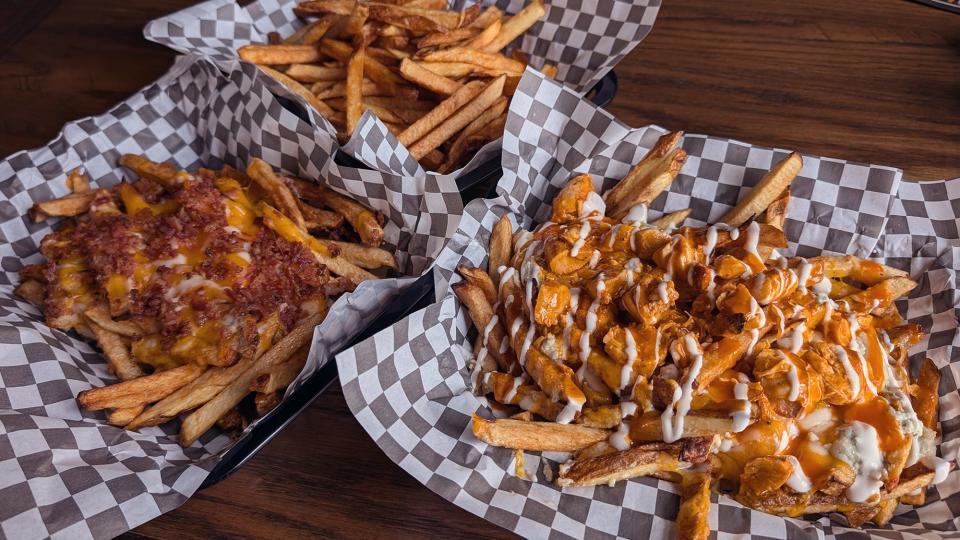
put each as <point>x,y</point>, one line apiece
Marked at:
<point>630,343</point>
<point>581,239</point>
<point>867,460</point>
<point>710,244</point>
<point>594,259</point>
<point>939,466</point>
<point>798,480</point>
<point>662,288</point>
<point>781,319</point>
<point>848,370</point>
<point>804,276</point>
<point>741,417</point>
<point>636,216</point>
<point>754,337</point>
<point>753,239</point>
<point>593,207</point>
<point>672,419</point>
<point>791,376</point>
<point>512,393</point>
<point>591,323</point>
<point>612,235</point>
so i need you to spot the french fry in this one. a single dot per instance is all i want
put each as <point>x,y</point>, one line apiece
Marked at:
<point>100,316</point>
<point>501,247</point>
<point>70,205</point>
<point>122,417</point>
<point>139,391</point>
<point>279,54</point>
<point>609,468</point>
<point>661,175</point>
<point>363,220</point>
<point>32,291</point>
<point>377,72</point>
<point>460,119</point>
<point>435,39</point>
<point>480,279</point>
<point>459,147</point>
<point>161,173</point>
<point>117,353</point>
<point>310,73</point>
<point>486,37</point>
<point>264,403</point>
<point>282,375</point>
<point>862,270</point>
<point>318,29</point>
<point>481,313</point>
<point>316,218</point>
<point>926,400</point>
<point>416,73</point>
<point>262,173</point>
<point>478,58</point>
<point>516,25</point>
<point>280,223</point>
<point>419,19</point>
<point>776,213</point>
<point>766,191</point>
<point>198,422</point>
<point>673,219</point>
<point>444,110</point>
<point>322,7</point>
<point>536,436</point>
<point>365,256</point>
<point>635,185</point>
<point>694,507</point>
<point>77,182</point>
<point>354,83</point>
<point>298,89</point>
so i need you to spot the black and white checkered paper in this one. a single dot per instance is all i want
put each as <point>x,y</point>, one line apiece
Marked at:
<point>583,39</point>
<point>66,473</point>
<point>409,385</point>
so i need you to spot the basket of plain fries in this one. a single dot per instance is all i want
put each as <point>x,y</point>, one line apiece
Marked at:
<point>645,319</point>
<point>175,271</point>
<point>418,86</point>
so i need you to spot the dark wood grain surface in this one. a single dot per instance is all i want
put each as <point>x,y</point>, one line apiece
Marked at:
<point>875,81</point>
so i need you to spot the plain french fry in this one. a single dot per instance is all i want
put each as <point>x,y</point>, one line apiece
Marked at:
<point>673,219</point>
<point>70,205</point>
<point>117,352</point>
<point>279,54</point>
<point>377,72</point>
<point>318,29</point>
<point>354,96</point>
<point>419,19</point>
<point>363,220</point>
<point>692,520</point>
<point>77,182</point>
<point>479,278</point>
<point>282,375</point>
<point>501,247</point>
<point>661,176</point>
<point>536,436</point>
<point>198,422</point>
<point>610,468</point>
<point>414,72</point>
<point>486,37</point>
<point>471,56</point>
<point>122,417</point>
<point>297,89</point>
<point>262,173</point>
<point>311,73</point>
<point>766,191</point>
<point>365,256</point>
<point>516,25</point>
<point>264,403</point>
<point>323,7</point>
<point>460,145</point>
<point>776,213</point>
<point>481,313</point>
<point>139,391</point>
<point>639,175</point>
<point>435,39</point>
<point>460,119</point>
<point>316,218</point>
<point>441,112</point>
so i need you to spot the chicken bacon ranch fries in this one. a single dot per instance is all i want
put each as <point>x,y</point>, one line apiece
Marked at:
<point>701,355</point>
<point>201,288</point>
<point>436,78</point>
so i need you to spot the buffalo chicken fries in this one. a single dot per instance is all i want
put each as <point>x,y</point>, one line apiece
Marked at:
<point>436,78</point>
<point>702,355</point>
<point>200,288</point>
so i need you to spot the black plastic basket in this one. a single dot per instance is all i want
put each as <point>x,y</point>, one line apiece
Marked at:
<point>479,182</point>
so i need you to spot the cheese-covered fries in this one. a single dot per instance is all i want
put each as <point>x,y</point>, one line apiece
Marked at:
<point>702,355</point>
<point>435,77</point>
<point>200,288</point>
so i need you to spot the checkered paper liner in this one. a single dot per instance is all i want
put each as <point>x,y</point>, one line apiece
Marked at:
<point>409,385</point>
<point>583,39</point>
<point>64,472</point>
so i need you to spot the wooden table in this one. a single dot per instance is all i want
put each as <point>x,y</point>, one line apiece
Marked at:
<point>875,81</point>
